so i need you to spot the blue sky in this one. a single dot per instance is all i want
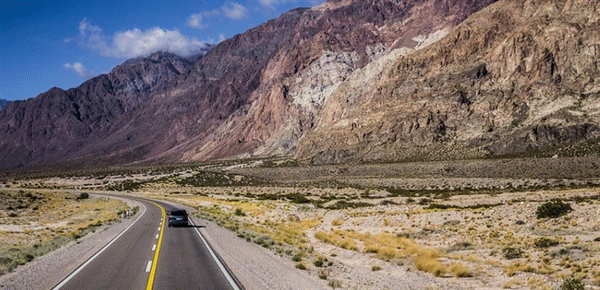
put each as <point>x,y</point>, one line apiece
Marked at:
<point>63,43</point>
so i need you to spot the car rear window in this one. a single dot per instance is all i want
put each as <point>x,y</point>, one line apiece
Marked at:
<point>178,212</point>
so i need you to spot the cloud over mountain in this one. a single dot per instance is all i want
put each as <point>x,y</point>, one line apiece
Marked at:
<point>137,42</point>
<point>79,69</point>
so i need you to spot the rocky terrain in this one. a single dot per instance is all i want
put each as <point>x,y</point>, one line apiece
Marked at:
<point>257,93</point>
<point>518,76</point>
<point>345,81</point>
<point>60,124</point>
<point>3,103</point>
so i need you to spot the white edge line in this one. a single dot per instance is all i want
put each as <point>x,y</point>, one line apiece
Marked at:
<point>227,275</point>
<point>66,280</point>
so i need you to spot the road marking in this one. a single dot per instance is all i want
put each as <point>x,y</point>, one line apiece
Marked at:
<point>148,266</point>
<point>66,280</point>
<point>214,256</point>
<point>155,261</point>
<point>154,248</point>
<point>158,229</point>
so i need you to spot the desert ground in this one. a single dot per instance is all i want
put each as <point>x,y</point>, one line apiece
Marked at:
<point>512,224</point>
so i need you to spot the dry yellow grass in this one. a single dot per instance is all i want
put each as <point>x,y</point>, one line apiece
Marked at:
<point>46,224</point>
<point>460,270</point>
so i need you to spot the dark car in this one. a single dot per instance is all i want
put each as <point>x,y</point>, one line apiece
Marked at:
<point>178,217</point>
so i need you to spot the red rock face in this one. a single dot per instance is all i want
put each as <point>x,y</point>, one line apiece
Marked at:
<point>257,93</point>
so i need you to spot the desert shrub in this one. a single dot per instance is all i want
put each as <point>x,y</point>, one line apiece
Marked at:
<point>545,243</point>
<point>572,283</point>
<point>597,239</point>
<point>334,283</point>
<point>424,201</point>
<point>460,270</point>
<point>297,257</point>
<point>375,268</point>
<point>319,262</point>
<point>297,198</point>
<point>83,195</point>
<point>512,253</point>
<point>461,246</point>
<point>336,222</point>
<point>239,212</point>
<point>427,262</point>
<point>301,266</point>
<point>388,202</point>
<point>342,204</point>
<point>323,274</point>
<point>553,209</point>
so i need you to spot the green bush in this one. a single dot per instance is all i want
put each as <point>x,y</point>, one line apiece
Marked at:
<point>239,212</point>
<point>572,283</point>
<point>553,209</point>
<point>545,243</point>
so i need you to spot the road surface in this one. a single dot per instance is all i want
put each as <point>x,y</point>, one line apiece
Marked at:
<point>151,255</point>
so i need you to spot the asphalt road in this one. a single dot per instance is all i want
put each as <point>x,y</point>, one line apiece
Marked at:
<point>151,255</point>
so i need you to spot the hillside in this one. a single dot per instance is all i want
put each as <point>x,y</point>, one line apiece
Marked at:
<point>3,103</point>
<point>255,94</point>
<point>516,77</point>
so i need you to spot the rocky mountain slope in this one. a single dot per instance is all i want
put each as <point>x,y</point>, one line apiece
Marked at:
<point>59,125</point>
<point>3,103</point>
<point>518,76</point>
<point>344,81</point>
<point>299,60</point>
<point>257,93</point>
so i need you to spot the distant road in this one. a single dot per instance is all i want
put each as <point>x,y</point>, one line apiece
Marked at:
<point>131,261</point>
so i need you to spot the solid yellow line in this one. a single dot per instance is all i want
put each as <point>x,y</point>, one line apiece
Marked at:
<point>155,261</point>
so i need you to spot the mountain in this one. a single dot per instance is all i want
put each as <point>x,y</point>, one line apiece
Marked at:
<point>345,81</point>
<point>3,103</point>
<point>59,124</point>
<point>518,76</point>
<point>257,93</point>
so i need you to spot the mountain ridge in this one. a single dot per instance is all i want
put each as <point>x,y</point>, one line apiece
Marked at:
<point>345,81</point>
<point>3,103</point>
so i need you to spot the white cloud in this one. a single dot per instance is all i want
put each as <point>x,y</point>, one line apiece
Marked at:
<point>221,38</point>
<point>273,3</point>
<point>135,42</point>
<point>79,69</point>
<point>234,11</point>
<point>195,21</point>
<point>231,10</point>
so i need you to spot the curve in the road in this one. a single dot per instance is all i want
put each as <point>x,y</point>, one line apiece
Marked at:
<point>186,262</point>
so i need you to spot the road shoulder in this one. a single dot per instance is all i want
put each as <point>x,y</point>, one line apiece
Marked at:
<point>47,271</point>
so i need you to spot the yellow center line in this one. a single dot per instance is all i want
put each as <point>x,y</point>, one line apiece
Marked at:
<point>155,261</point>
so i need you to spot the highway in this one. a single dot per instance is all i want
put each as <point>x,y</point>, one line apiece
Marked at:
<point>151,255</point>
